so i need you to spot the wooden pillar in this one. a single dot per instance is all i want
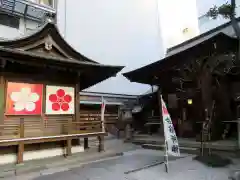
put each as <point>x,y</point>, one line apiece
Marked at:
<point>101,143</point>
<point>2,90</point>
<point>2,97</point>
<point>183,120</point>
<point>160,111</point>
<point>43,111</point>
<point>69,139</point>
<point>238,133</point>
<point>86,143</point>
<point>21,143</point>
<point>77,100</point>
<point>77,103</point>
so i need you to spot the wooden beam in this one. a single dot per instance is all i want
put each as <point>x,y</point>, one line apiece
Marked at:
<point>2,97</point>
<point>20,153</point>
<point>69,139</point>
<point>21,144</point>
<point>101,143</point>
<point>85,143</point>
<point>33,140</point>
<point>3,63</point>
<point>77,99</point>
<point>160,110</point>
<point>43,118</point>
<point>69,146</point>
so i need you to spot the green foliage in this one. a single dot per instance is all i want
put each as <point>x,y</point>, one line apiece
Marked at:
<point>213,12</point>
<point>224,10</point>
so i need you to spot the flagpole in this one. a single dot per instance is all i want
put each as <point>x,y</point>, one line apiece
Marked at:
<point>162,126</point>
<point>166,157</point>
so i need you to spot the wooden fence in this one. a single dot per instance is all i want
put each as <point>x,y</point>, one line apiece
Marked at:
<point>26,126</point>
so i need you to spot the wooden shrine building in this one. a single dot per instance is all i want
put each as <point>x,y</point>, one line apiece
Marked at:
<point>191,81</point>
<point>41,77</point>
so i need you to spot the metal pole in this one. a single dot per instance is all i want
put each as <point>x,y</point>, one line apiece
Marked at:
<point>166,157</point>
<point>161,120</point>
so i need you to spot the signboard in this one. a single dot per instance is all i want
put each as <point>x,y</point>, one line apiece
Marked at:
<point>59,100</point>
<point>24,99</point>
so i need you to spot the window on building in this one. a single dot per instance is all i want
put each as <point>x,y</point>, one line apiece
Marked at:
<point>44,2</point>
<point>10,21</point>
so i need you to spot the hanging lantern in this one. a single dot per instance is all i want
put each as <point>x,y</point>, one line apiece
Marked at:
<point>189,101</point>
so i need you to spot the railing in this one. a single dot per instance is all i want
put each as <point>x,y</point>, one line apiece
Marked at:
<point>89,122</point>
<point>22,130</point>
<point>25,130</point>
<point>9,131</point>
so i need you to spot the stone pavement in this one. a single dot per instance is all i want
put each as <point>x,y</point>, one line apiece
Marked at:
<point>223,145</point>
<point>183,169</point>
<point>110,169</point>
<point>122,168</point>
<point>113,148</point>
<point>179,169</point>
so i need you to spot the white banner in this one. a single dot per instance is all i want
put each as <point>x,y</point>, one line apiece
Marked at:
<point>171,141</point>
<point>103,107</point>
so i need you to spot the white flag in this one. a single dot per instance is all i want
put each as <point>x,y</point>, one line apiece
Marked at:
<point>103,107</point>
<point>169,132</point>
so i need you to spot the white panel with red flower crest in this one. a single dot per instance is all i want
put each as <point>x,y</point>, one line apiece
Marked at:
<point>59,100</point>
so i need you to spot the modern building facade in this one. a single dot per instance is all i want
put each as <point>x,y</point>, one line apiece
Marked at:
<point>19,17</point>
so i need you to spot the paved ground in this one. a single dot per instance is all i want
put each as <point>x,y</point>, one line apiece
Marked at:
<point>179,169</point>
<point>120,168</point>
<point>113,147</point>
<point>186,142</point>
<point>110,169</point>
<point>183,169</point>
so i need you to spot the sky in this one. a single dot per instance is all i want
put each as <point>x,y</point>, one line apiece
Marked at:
<point>114,32</point>
<point>204,5</point>
<point>126,32</point>
<point>176,16</point>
